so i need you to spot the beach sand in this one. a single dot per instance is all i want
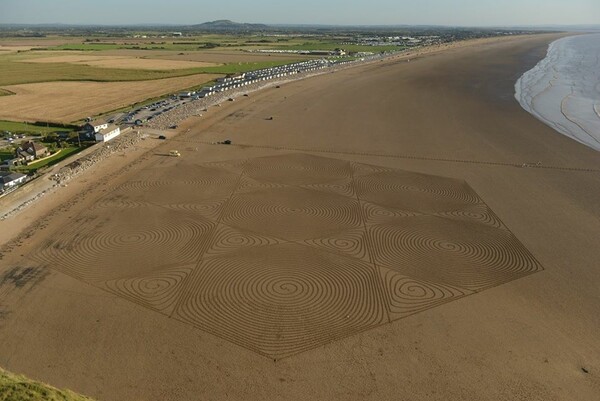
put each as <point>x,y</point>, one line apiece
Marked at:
<point>353,141</point>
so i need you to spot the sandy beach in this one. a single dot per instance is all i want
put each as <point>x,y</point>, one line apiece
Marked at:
<point>443,240</point>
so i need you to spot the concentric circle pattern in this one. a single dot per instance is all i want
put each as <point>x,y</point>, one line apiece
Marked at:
<point>415,192</point>
<point>282,300</point>
<point>351,243</point>
<point>226,239</point>
<point>375,214</point>
<point>210,209</point>
<point>408,295</point>
<point>286,253</point>
<point>464,254</point>
<point>297,169</point>
<point>343,187</point>
<point>479,212</point>
<point>292,213</point>
<point>130,242</point>
<point>157,291</point>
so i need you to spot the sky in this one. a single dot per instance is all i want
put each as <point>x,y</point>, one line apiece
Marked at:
<point>334,12</point>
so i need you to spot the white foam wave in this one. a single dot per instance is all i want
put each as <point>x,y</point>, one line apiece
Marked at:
<point>563,90</point>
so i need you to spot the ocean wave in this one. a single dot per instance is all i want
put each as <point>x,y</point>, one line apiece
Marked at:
<point>563,89</point>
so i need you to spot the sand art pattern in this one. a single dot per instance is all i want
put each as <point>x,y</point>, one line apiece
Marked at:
<point>283,254</point>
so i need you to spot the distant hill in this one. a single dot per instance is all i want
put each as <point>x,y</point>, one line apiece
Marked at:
<point>227,25</point>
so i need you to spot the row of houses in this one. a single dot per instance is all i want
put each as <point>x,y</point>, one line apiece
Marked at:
<point>241,80</point>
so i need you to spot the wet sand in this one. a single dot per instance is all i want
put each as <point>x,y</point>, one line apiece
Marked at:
<point>523,327</point>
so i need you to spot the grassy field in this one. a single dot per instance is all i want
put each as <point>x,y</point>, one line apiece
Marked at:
<point>6,153</point>
<point>332,46</point>
<point>219,43</point>
<point>4,92</point>
<point>19,388</point>
<point>17,127</point>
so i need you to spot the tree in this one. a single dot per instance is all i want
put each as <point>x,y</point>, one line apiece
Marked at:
<point>51,137</point>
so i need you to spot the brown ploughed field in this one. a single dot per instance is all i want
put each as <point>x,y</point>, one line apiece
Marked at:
<point>69,101</point>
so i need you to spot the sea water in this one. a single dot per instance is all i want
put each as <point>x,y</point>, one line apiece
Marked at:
<point>563,90</point>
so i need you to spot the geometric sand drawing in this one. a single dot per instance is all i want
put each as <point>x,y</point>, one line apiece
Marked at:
<point>286,253</point>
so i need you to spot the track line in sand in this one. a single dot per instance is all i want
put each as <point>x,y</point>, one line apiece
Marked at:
<point>533,165</point>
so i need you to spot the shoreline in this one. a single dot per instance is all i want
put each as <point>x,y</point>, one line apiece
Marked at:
<point>562,97</point>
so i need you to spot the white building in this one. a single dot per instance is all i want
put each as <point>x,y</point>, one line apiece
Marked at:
<point>9,180</point>
<point>108,133</point>
<point>95,126</point>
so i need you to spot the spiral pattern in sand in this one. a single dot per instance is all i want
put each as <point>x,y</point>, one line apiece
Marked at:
<point>291,213</point>
<point>415,193</point>
<point>351,243</point>
<point>457,253</point>
<point>226,239</point>
<point>158,291</point>
<point>297,169</point>
<point>408,296</point>
<point>281,300</point>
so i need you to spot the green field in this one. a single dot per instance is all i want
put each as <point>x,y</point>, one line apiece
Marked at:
<point>19,388</point>
<point>141,46</point>
<point>332,46</point>
<point>6,153</point>
<point>207,42</point>
<point>4,92</point>
<point>17,127</point>
<point>201,42</point>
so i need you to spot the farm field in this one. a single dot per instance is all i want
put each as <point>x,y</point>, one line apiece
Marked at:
<point>214,56</point>
<point>18,69</point>
<point>64,71</point>
<point>72,101</point>
<point>123,62</point>
<point>117,74</point>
